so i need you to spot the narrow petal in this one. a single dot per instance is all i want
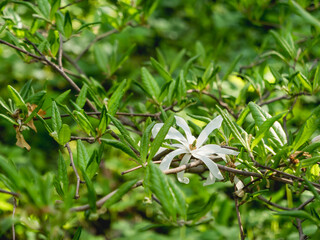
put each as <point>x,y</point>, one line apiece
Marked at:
<point>215,123</point>
<point>182,123</point>
<point>166,161</point>
<point>213,148</point>
<point>172,134</point>
<point>238,182</point>
<point>210,180</point>
<point>180,175</point>
<point>213,168</point>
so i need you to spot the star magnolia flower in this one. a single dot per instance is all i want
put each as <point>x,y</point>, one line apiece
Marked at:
<point>192,147</point>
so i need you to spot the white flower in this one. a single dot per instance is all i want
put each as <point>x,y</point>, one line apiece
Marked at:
<point>192,147</point>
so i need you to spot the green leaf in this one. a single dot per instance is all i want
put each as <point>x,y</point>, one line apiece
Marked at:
<point>36,98</point>
<point>307,129</point>
<point>166,76</point>
<point>9,119</point>
<point>82,97</point>
<point>60,22</point>
<point>144,144</point>
<point>36,110</point>
<point>157,142</point>
<point>56,118</point>
<point>123,147</point>
<point>55,5</point>
<point>180,199</point>
<point>82,155</point>
<point>77,234</point>
<point>298,214</point>
<point>283,44</point>
<point>114,101</point>
<point>64,134</point>
<point>62,97</point>
<point>93,164</point>
<point>44,123</point>
<point>316,80</point>
<point>17,99</point>
<point>5,106</point>
<point>276,133</point>
<point>92,198</point>
<point>264,128</point>
<point>150,84</point>
<point>304,14</point>
<point>10,171</point>
<point>44,7</point>
<point>159,185</point>
<point>116,197</point>
<point>26,89</point>
<point>233,128</point>
<point>67,25</point>
<point>63,173</point>
<point>232,67</point>
<point>312,189</point>
<point>198,211</point>
<point>103,121</point>
<point>101,58</point>
<point>123,131</point>
<point>304,81</point>
<point>177,60</point>
<point>84,122</point>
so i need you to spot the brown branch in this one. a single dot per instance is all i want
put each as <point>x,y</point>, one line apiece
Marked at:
<point>69,4</point>
<point>305,203</point>
<point>243,236</point>
<point>11,193</point>
<point>60,52</point>
<point>87,139</point>
<point>302,236</point>
<point>98,38</point>
<point>272,204</point>
<point>75,171</point>
<point>13,212</point>
<point>284,97</point>
<point>219,101</point>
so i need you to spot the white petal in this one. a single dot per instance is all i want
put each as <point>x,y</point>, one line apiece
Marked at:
<point>210,180</point>
<point>166,161</point>
<point>215,123</point>
<point>209,149</point>
<point>172,134</point>
<point>180,175</point>
<point>183,124</point>
<point>213,168</point>
<point>238,182</point>
<point>315,139</point>
<point>161,149</point>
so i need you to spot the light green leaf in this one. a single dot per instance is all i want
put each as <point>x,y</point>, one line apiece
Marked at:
<point>62,96</point>
<point>316,80</point>
<point>82,97</point>
<point>92,198</point>
<point>123,131</point>
<point>144,144</point>
<point>64,134</point>
<point>67,25</point>
<point>26,89</point>
<point>307,129</point>
<point>150,84</point>
<point>114,101</point>
<point>56,118</point>
<point>304,81</point>
<point>159,185</point>
<point>36,110</point>
<point>5,106</point>
<point>84,122</point>
<point>161,70</point>
<point>123,147</point>
<point>283,44</point>
<point>177,60</point>
<point>120,193</point>
<point>17,99</point>
<point>9,119</point>
<point>298,214</point>
<point>60,22</point>
<point>180,199</point>
<point>103,121</point>
<point>44,7</point>
<point>264,128</point>
<point>82,155</point>
<point>44,123</point>
<point>276,133</point>
<point>55,5</point>
<point>304,14</point>
<point>63,173</point>
<point>157,142</point>
<point>101,58</point>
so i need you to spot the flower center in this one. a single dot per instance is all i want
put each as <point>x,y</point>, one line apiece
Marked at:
<point>193,145</point>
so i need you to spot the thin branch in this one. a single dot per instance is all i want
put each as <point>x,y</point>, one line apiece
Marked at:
<point>219,101</point>
<point>13,212</point>
<point>305,203</point>
<point>272,204</point>
<point>256,63</point>
<point>302,236</point>
<point>243,236</point>
<point>98,38</point>
<point>75,2</point>
<point>75,171</point>
<point>60,52</point>
<point>284,97</point>
<point>11,193</point>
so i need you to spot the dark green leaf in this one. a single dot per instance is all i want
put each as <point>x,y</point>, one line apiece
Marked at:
<point>150,84</point>
<point>114,101</point>
<point>64,134</point>
<point>82,155</point>
<point>67,25</point>
<point>82,97</point>
<point>123,147</point>
<point>92,198</point>
<point>17,99</point>
<point>56,118</point>
<point>77,234</point>
<point>163,73</point>
<point>144,144</point>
